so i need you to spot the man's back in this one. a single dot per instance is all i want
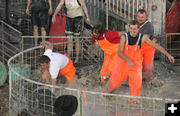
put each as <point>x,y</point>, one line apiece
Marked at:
<point>57,59</point>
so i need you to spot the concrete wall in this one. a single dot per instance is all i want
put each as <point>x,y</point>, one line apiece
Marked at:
<point>157,17</point>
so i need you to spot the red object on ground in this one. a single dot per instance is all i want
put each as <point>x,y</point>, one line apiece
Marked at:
<point>58,29</point>
<point>173,20</point>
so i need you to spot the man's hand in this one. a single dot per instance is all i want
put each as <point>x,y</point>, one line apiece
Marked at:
<point>46,75</point>
<point>43,44</point>
<point>88,20</point>
<point>50,11</point>
<point>47,45</point>
<point>27,11</point>
<point>53,19</point>
<point>171,59</point>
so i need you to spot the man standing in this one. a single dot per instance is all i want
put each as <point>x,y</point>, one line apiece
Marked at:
<point>108,40</point>
<point>74,21</point>
<point>129,62</point>
<point>147,50</point>
<point>39,14</point>
<point>55,64</point>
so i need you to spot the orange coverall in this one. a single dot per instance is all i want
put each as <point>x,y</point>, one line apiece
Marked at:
<point>111,51</point>
<point>122,70</point>
<point>68,71</point>
<point>148,52</point>
<point>109,43</point>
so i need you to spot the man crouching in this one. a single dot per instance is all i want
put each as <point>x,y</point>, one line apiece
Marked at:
<point>55,64</point>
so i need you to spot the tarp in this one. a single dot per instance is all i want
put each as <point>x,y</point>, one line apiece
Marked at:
<point>58,29</point>
<point>173,20</point>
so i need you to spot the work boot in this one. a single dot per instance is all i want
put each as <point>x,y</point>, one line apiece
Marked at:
<point>104,80</point>
<point>148,79</point>
<point>133,102</point>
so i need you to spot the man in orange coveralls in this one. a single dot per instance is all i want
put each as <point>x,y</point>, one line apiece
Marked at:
<point>55,63</point>
<point>108,40</point>
<point>147,50</point>
<point>129,62</point>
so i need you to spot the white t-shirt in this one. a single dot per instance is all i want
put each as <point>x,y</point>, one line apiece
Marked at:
<point>73,8</point>
<point>58,61</point>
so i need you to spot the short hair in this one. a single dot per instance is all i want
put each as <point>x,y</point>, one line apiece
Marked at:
<point>44,59</point>
<point>142,11</point>
<point>99,28</point>
<point>134,22</point>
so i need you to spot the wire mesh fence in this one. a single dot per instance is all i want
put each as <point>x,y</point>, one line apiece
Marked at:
<point>29,95</point>
<point>87,54</point>
<point>102,104</point>
<point>35,98</point>
<point>173,46</point>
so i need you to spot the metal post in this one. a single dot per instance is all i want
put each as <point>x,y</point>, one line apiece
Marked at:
<point>107,4</point>
<point>10,90</point>
<point>163,17</point>
<point>3,37</point>
<point>7,10</point>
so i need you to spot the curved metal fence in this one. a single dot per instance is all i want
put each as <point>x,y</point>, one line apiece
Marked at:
<point>28,94</point>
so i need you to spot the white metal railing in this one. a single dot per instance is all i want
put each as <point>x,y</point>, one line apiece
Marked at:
<point>121,8</point>
<point>10,41</point>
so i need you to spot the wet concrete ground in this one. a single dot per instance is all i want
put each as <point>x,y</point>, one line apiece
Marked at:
<point>4,100</point>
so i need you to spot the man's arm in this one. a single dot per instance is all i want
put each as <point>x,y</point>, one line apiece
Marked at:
<point>50,7</point>
<point>47,45</point>
<point>61,2</point>
<point>53,81</point>
<point>120,33</point>
<point>27,7</point>
<point>121,49</point>
<point>85,11</point>
<point>158,47</point>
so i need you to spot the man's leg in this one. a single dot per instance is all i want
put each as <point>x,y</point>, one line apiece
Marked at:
<point>135,80</point>
<point>112,63</point>
<point>104,69</point>
<point>43,33</point>
<point>35,22</point>
<point>78,46</point>
<point>119,75</point>
<point>44,16</point>
<point>148,61</point>
<point>148,66</point>
<point>35,33</point>
<point>69,33</point>
<point>70,44</point>
<point>78,27</point>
